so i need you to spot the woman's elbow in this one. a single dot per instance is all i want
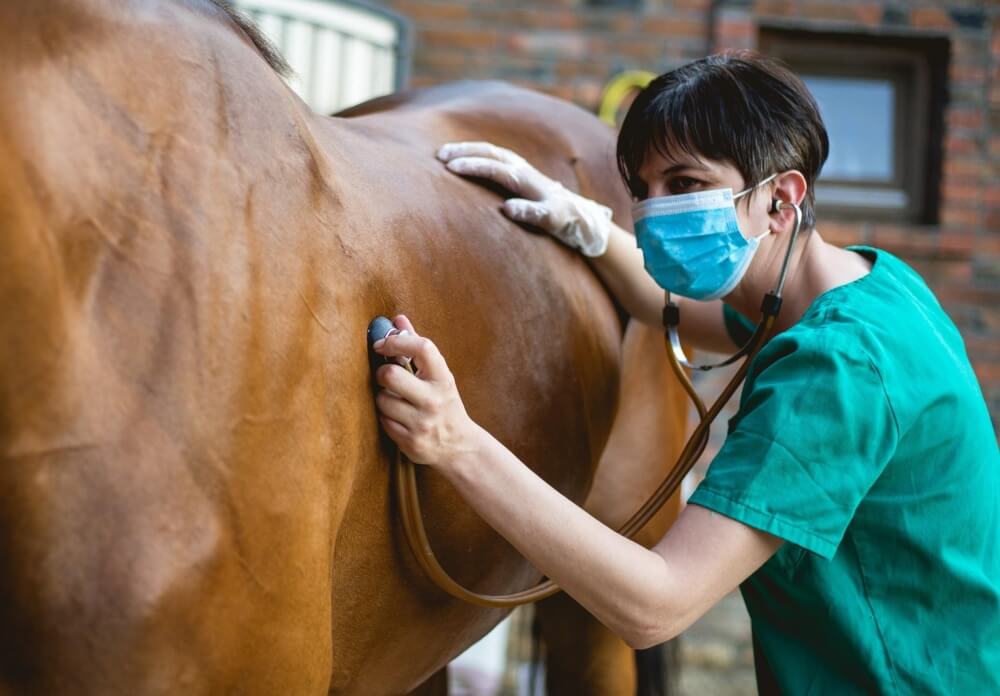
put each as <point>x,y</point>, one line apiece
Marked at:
<point>644,633</point>
<point>640,640</point>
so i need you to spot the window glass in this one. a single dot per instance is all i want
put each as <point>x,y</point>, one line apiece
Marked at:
<point>859,117</point>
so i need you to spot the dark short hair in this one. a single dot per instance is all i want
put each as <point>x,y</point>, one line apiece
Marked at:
<point>741,107</point>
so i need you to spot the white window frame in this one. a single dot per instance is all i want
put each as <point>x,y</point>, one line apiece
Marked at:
<point>343,52</point>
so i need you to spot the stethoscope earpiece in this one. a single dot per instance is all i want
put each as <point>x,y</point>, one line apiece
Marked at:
<point>776,206</point>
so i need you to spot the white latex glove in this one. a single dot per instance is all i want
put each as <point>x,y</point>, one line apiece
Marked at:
<point>572,219</point>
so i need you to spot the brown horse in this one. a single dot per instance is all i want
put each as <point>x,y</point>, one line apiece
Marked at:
<point>194,497</point>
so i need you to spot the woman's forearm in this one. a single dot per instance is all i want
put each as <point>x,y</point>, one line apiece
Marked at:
<point>621,269</point>
<point>626,586</point>
<point>641,595</point>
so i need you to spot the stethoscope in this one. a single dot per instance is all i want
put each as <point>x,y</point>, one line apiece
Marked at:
<point>695,445</point>
<point>769,308</point>
<point>404,471</point>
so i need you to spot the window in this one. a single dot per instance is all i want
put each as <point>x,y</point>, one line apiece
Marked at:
<point>882,100</point>
<point>342,51</point>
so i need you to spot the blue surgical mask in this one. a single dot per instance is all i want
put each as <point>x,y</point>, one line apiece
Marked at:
<point>691,242</point>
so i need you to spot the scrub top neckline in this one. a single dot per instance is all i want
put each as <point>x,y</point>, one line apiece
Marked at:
<point>827,296</point>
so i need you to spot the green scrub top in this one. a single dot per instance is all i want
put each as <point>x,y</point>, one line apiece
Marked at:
<point>863,440</point>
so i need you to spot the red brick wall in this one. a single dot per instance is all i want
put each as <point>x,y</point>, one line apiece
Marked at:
<point>571,50</point>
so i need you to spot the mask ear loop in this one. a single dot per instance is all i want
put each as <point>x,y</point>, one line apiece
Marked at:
<point>769,309</point>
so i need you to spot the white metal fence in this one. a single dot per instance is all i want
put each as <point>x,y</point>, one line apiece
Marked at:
<point>343,51</point>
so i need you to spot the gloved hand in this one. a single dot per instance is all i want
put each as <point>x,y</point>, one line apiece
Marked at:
<point>572,219</point>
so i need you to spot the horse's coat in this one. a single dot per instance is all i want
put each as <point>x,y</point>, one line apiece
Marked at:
<point>194,496</point>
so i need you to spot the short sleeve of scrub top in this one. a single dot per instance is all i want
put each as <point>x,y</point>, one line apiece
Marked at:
<point>814,431</point>
<point>864,441</point>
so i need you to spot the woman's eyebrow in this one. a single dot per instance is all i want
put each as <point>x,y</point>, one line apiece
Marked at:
<point>677,167</point>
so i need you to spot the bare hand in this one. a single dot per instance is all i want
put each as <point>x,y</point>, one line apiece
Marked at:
<point>423,412</point>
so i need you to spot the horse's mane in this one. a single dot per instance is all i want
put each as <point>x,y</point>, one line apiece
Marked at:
<point>267,50</point>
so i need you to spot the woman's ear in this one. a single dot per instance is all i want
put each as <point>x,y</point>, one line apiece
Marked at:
<point>789,188</point>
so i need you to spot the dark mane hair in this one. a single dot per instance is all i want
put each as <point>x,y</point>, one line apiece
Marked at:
<point>265,48</point>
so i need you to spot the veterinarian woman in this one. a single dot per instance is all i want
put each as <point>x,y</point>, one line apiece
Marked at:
<point>856,500</point>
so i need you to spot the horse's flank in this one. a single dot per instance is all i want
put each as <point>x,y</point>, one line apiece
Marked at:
<point>195,497</point>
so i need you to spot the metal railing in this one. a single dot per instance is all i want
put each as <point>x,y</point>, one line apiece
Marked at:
<point>342,51</point>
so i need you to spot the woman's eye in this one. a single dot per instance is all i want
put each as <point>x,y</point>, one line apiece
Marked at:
<point>681,184</point>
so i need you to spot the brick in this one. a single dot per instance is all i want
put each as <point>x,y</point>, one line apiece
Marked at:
<point>962,192</point>
<point>588,93</point>
<point>986,268</point>
<point>561,91</point>
<point>440,59</point>
<point>471,39</point>
<point>987,372</point>
<point>960,218</point>
<point>983,346</point>
<point>673,27</point>
<point>514,68</point>
<point>569,69</point>
<point>967,93</point>
<point>548,19</point>
<point>549,43</point>
<point>419,81</point>
<point>903,240</point>
<point>967,73</point>
<point>734,29</point>
<point>960,145</point>
<point>643,51</point>
<point>931,18</point>
<point>841,233</point>
<point>989,243</point>
<point>432,12</point>
<point>699,6</point>
<point>869,15</point>
<point>971,119</point>
<point>830,11</point>
<point>969,50</point>
<point>598,22</point>
<point>987,320</point>
<point>967,168</point>
<point>992,220</point>
<point>955,243</point>
<point>779,8</point>
<point>967,294</point>
<point>939,273</point>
